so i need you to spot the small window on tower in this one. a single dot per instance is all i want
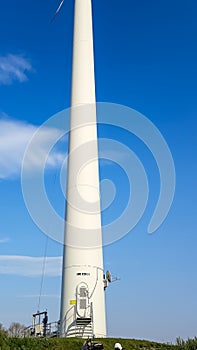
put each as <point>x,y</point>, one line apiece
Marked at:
<point>83,292</point>
<point>82,304</point>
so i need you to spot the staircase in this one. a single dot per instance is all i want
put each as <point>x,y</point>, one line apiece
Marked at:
<point>82,327</point>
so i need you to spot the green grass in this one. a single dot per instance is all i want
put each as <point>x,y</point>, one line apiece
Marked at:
<point>76,344</point>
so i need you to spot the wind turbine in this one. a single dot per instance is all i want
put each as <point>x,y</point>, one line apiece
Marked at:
<point>58,9</point>
<point>82,300</point>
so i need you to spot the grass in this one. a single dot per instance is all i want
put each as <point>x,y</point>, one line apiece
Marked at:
<point>76,344</point>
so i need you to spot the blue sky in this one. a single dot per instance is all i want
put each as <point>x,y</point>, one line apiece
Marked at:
<point>145,58</point>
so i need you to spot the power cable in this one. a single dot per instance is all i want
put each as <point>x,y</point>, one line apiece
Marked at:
<point>43,272</point>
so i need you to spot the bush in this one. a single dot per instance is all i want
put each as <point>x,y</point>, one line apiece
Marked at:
<point>189,344</point>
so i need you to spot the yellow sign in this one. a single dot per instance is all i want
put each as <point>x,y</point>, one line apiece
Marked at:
<point>72,302</point>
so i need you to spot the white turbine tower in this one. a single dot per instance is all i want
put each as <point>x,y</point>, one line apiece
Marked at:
<point>82,299</point>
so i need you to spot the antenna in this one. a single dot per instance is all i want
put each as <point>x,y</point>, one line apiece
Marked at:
<point>108,276</point>
<point>58,9</point>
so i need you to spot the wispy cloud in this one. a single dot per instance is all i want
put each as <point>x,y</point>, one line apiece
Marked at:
<point>14,138</point>
<point>4,240</point>
<point>14,68</point>
<point>29,266</point>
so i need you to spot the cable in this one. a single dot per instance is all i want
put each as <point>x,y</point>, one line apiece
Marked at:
<point>44,260</point>
<point>43,272</point>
